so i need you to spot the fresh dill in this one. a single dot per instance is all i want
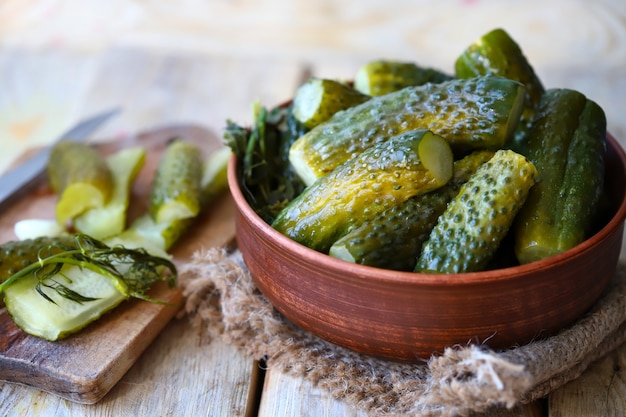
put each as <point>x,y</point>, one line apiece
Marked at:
<point>131,271</point>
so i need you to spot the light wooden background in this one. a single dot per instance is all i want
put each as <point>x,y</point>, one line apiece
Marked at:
<point>571,43</point>
<point>203,61</point>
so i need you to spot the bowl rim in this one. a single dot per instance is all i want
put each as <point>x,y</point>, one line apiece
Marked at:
<point>380,275</point>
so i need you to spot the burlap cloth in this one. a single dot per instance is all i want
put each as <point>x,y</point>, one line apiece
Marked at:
<point>222,300</point>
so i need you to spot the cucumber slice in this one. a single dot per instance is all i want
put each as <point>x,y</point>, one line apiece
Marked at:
<point>437,157</point>
<point>158,237</point>
<point>71,281</point>
<point>214,175</point>
<point>80,177</point>
<point>110,219</point>
<point>155,237</point>
<point>53,321</point>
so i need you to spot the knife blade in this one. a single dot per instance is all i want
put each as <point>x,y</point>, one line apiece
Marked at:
<point>19,177</point>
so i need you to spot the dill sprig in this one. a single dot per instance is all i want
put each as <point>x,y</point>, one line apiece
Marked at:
<point>266,177</point>
<point>131,271</point>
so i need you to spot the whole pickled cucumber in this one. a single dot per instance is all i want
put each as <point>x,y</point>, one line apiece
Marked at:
<point>380,77</point>
<point>475,113</point>
<point>470,230</point>
<point>385,175</point>
<point>176,190</point>
<point>80,177</point>
<point>392,239</point>
<point>318,99</point>
<point>567,145</point>
<point>496,53</point>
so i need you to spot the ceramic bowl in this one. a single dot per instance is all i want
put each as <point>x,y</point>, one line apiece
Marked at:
<point>410,316</point>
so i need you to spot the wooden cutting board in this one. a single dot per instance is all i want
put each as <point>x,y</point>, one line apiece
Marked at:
<point>85,366</point>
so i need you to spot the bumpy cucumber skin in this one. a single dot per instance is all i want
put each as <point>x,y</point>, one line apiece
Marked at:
<point>319,98</point>
<point>471,228</point>
<point>18,254</point>
<point>71,162</point>
<point>477,113</point>
<point>177,181</point>
<point>110,219</point>
<point>392,239</point>
<point>74,166</point>
<point>380,77</point>
<point>496,53</point>
<point>381,177</point>
<point>567,145</point>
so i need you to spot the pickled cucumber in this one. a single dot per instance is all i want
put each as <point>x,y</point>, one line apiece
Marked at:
<point>80,177</point>
<point>110,219</point>
<point>18,254</point>
<point>318,99</point>
<point>73,282</point>
<point>380,77</point>
<point>470,230</point>
<point>496,53</point>
<point>475,113</point>
<point>392,239</point>
<point>214,175</point>
<point>383,176</point>
<point>157,237</point>
<point>175,191</point>
<point>53,321</point>
<point>567,144</point>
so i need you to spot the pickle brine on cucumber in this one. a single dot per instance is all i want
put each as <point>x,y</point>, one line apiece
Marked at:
<point>470,230</point>
<point>496,53</point>
<point>385,175</point>
<point>176,190</point>
<point>380,77</point>
<point>475,113</point>
<point>567,144</point>
<point>80,177</point>
<point>393,238</point>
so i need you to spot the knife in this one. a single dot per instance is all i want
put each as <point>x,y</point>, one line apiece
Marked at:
<point>21,176</point>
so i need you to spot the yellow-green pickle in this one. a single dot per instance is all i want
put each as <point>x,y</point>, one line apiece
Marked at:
<point>393,239</point>
<point>496,53</point>
<point>318,99</point>
<point>475,113</point>
<point>81,178</point>
<point>383,176</point>
<point>380,77</point>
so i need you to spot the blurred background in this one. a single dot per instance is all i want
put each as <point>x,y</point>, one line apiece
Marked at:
<point>203,61</point>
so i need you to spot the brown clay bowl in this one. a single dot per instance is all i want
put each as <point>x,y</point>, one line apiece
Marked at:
<point>408,316</point>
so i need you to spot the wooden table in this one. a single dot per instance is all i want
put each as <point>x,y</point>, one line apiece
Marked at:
<point>172,66</point>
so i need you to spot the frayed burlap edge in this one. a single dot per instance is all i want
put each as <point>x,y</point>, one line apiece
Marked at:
<point>222,300</point>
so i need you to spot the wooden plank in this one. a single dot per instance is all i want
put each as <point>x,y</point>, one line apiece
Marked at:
<point>600,391</point>
<point>285,395</point>
<point>178,375</point>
